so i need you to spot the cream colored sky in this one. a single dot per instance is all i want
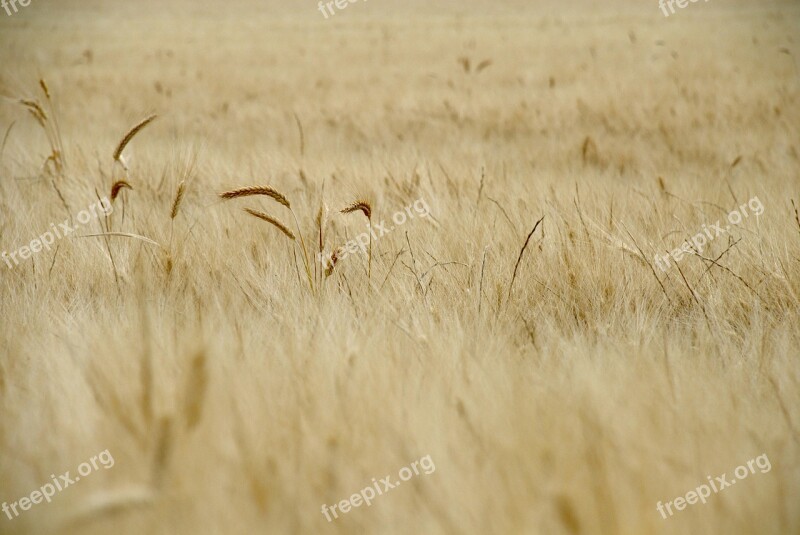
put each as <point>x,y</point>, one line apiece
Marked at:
<point>381,9</point>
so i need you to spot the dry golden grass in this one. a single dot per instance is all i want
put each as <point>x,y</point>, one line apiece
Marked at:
<point>561,383</point>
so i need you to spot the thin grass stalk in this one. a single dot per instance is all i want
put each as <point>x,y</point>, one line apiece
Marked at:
<point>306,262</point>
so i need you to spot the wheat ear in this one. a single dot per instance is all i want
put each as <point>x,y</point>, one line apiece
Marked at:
<point>176,204</point>
<point>118,186</point>
<point>271,220</point>
<point>127,137</point>
<point>36,110</point>
<point>331,264</point>
<point>257,190</point>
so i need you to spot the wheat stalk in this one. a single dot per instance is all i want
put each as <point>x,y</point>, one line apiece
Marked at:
<point>106,504</point>
<point>124,235</point>
<point>302,137</point>
<point>519,259</point>
<point>163,451</point>
<point>365,208</point>
<point>796,215</point>
<point>322,220</point>
<point>176,204</point>
<point>196,388</point>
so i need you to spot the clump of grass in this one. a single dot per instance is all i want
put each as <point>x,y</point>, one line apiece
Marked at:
<point>320,221</point>
<point>49,123</point>
<point>281,199</point>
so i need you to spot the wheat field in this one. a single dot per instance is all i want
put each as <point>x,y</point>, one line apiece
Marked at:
<point>209,327</point>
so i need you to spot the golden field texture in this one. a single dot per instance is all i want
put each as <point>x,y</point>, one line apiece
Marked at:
<point>560,381</point>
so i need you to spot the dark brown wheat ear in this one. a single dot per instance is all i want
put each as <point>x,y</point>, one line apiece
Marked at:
<point>332,263</point>
<point>118,186</point>
<point>359,206</point>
